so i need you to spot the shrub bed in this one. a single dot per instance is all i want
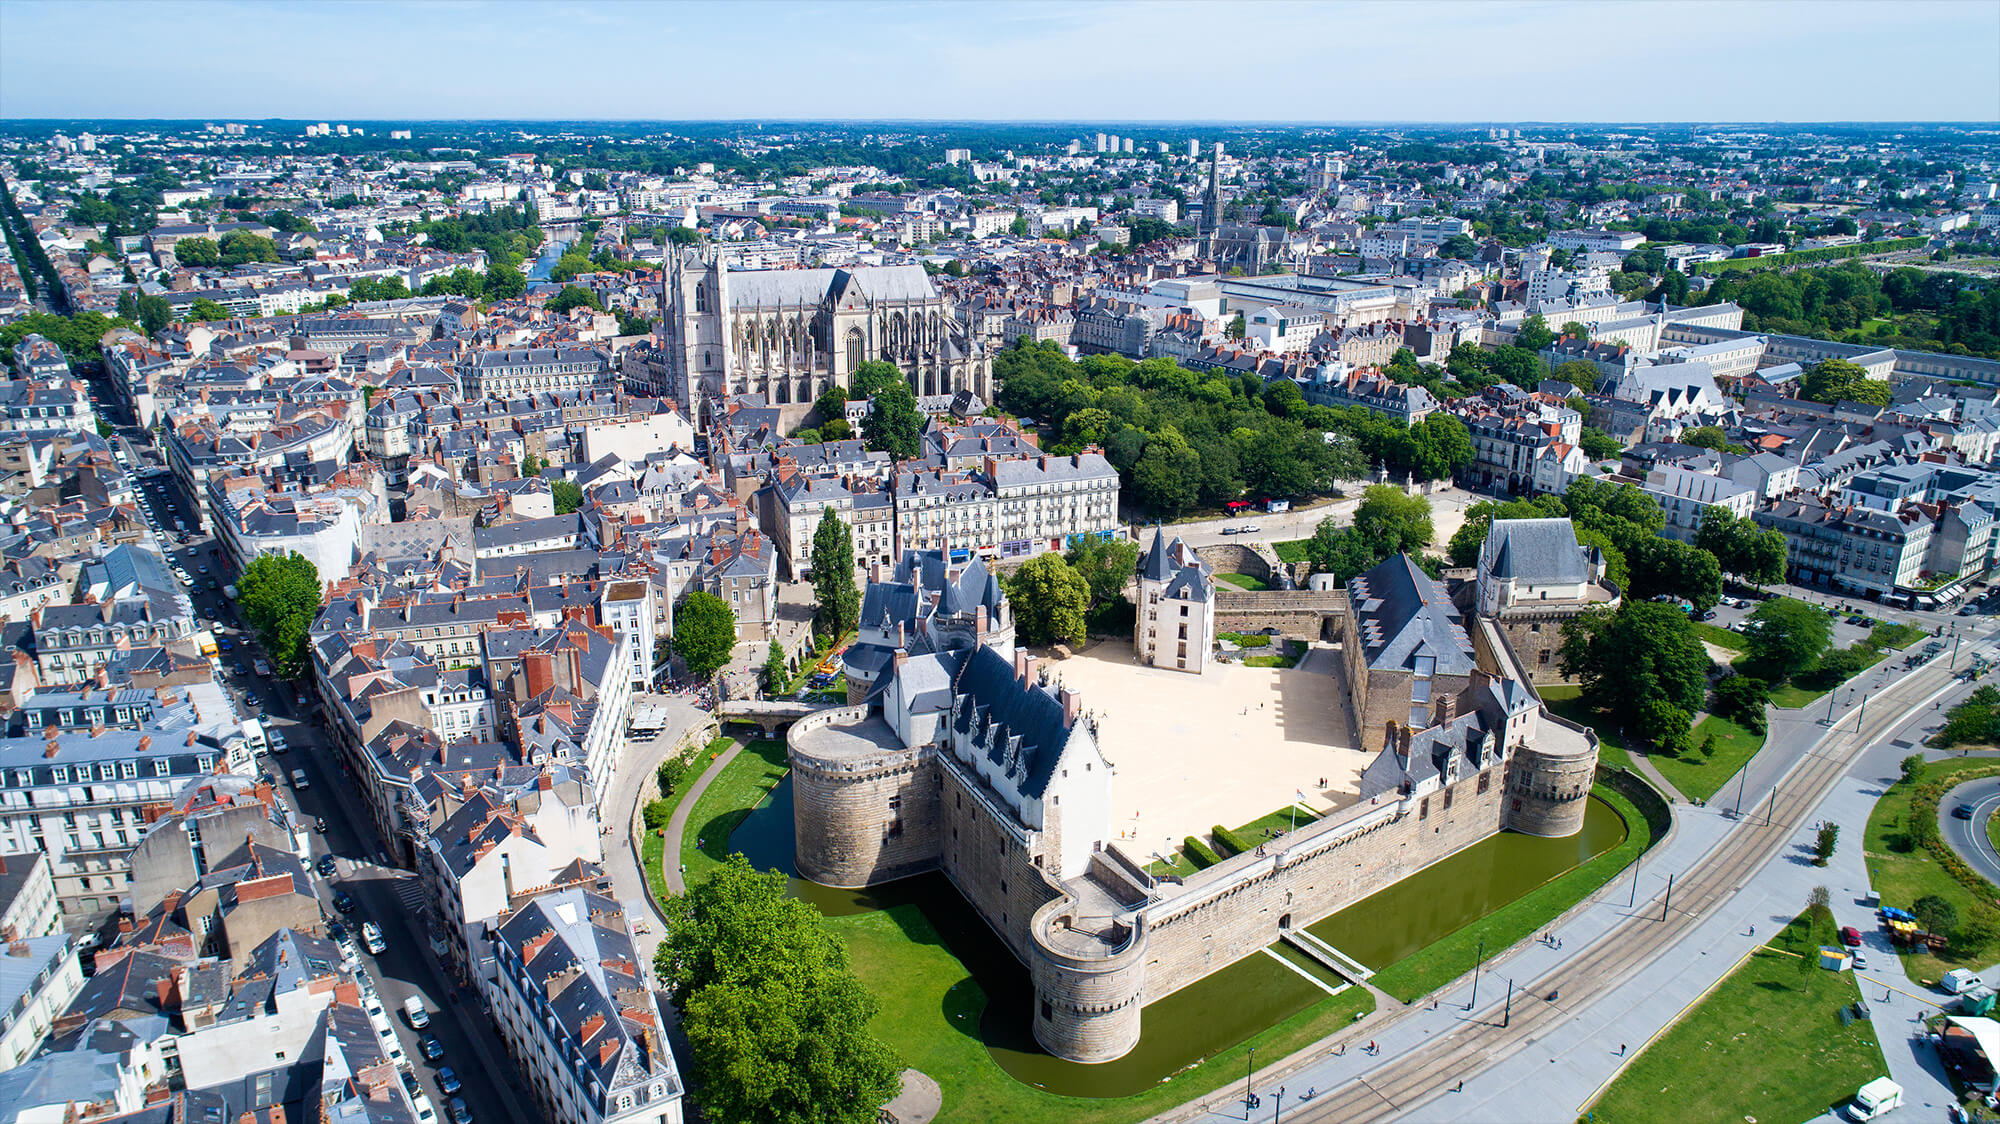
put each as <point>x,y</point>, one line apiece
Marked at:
<point>1199,854</point>
<point>1234,842</point>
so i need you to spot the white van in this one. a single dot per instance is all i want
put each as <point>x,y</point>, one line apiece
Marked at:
<point>413,1009</point>
<point>1874,1099</point>
<point>1960,980</point>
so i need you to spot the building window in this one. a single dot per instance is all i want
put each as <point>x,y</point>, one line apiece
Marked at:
<point>1485,782</point>
<point>1424,808</point>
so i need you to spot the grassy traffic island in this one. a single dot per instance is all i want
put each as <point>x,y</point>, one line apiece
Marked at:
<point>1909,863</point>
<point>1767,1043</point>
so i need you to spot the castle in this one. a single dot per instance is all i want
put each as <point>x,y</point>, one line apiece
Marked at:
<point>963,756</point>
<point>789,334</point>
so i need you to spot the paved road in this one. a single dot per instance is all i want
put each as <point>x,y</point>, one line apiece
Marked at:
<point>1630,961</point>
<point>636,767</point>
<point>1447,514</point>
<point>1968,836</point>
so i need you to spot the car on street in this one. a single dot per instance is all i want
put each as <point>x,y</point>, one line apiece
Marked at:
<point>1249,529</point>
<point>326,866</point>
<point>410,1083</point>
<point>1850,936</point>
<point>1962,812</point>
<point>1231,531</point>
<point>448,1080</point>
<point>426,1112</point>
<point>299,780</point>
<point>461,1113</point>
<point>343,901</point>
<point>1860,958</point>
<point>431,1047</point>
<point>371,937</point>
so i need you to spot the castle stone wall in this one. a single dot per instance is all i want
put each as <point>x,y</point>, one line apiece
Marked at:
<point>999,875</point>
<point>1308,880</point>
<point>1548,793</point>
<point>1087,1008</point>
<point>860,822</point>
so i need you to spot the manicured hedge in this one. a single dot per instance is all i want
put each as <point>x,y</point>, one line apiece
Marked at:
<point>1236,843</point>
<point>1199,854</point>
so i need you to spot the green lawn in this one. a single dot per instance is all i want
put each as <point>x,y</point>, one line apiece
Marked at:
<point>1277,823</point>
<point>1720,637</point>
<point>1767,1044</point>
<point>930,1011</point>
<point>1449,957</point>
<point>1902,871</point>
<point>1791,696</point>
<point>740,787</point>
<point>1243,581</point>
<point>1270,661</point>
<point>1993,831</point>
<point>1564,700</point>
<point>651,851</point>
<point>1699,777</point>
<point>1293,550</point>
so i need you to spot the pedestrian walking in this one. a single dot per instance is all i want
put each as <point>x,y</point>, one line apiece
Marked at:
<point>1460,1087</point>
<point>1621,1049</point>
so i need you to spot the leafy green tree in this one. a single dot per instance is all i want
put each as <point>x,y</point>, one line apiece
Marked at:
<point>503,283</point>
<point>531,466</point>
<point>1741,699</point>
<point>1599,445</point>
<point>1441,447</point>
<point>1825,840</point>
<point>1167,479</point>
<point>1661,565</point>
<point>197,252</point>
<point>1516,365</point>
<point>632,325</point>
<point>1789,637</point>
<point>128,306</point>
<point>1051,601</point>
<point>1397,522</point>
<point>1107,566</point>
<point>1764,558</point>
<point>837,601</point>
<point>155,313</point>
<point>1706,437</point>
<point>1935,914</point>
<point>1912,768</point>
<point>568,496</point>
<point>836,429</point>
<point>892,424</point>
<point>776,1021</point>
<point>1342,552</point>
<point>1837,380</point>
<point>704,633</point>
<point>1534,334</point>
<point>572,297</point>
<point>279,596</point>
<point>831,404</point>
<point>1642,666</point>
<point>205,309</point>
<point>775,673</point>
<point>240,246</point>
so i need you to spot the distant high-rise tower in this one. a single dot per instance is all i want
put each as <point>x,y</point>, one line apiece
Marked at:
<point>1100,142</point>
<point>1194,149</point>
<point>1128,145</point>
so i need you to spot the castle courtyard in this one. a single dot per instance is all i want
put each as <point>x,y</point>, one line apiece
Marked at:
<point>1225,747</point>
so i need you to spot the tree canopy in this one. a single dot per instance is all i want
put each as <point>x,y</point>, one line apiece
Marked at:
<point>1641,666</point>
<point>574,296</point>
<point>1837,380</point>
<point>1788,636</point>
<point>892,424</point>
<point>1050,601</point>
<point>1106,565</point>
<point>279,595</point>
<point>568,496</point>
<point>776,1020</point>
<point>836,600</point>
<point>704,633</point>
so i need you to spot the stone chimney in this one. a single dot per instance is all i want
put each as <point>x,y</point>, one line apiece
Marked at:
<point>538,670</point>
<point>1072,704</point>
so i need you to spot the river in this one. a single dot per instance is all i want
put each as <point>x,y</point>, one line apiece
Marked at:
<point>551,253</point>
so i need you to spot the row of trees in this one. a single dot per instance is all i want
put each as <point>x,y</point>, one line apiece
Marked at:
<point>1183,439</point>
<point>1958,313</point>
<point>238,247</point>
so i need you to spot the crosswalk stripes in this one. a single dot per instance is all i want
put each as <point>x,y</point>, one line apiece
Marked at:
<point>411,894</point>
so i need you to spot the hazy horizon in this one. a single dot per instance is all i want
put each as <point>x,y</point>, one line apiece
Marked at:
<point>1541,62</point>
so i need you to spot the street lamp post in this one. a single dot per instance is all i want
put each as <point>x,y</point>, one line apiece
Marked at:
<point>1474,1001</point>
<point>1278,1105</point>
<point>1249,1098</point>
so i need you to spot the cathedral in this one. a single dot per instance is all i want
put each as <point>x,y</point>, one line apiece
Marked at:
<point>789,334</point>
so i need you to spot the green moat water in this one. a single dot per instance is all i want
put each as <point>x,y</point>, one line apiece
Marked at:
<point>1222,1009</point>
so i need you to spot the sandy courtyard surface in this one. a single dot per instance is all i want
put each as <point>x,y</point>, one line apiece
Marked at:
<point>1225,747</point>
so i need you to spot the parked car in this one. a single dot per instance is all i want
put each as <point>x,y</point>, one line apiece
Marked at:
<point>461,1113</point>
<point>1231,531</point>
<point>431,1047</point>
<point>1850,936</point>
<point>326,866</point>
<point>343,901</point>
<point>1250,529</point>
<point>413,1009</point>
<point>1860,958</point>
<point>448,1080</point>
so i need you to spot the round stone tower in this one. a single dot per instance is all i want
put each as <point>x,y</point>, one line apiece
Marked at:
<point>1548,786</point>
<point>864,808</point>
<point>1087,985</point>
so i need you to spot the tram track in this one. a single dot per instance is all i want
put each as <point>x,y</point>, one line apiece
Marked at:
<point>1402,1087</point>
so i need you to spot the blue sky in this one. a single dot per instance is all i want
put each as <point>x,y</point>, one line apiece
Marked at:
<point>1088,60</point>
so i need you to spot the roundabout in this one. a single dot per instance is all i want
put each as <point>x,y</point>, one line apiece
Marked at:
<point>1969,836</point>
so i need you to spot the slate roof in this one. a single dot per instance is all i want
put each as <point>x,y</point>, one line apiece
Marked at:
<point>1402,616</point>
<point>1536,551</point>
<point>1020,728</point>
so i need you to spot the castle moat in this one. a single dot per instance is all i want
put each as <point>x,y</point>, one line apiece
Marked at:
<point>1225,1007</point>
